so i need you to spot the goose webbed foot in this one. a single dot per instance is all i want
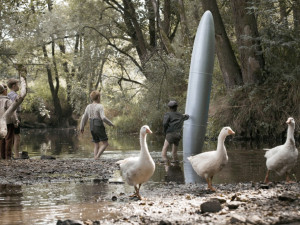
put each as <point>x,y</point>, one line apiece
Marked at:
<point>209,184</point>
<point>288,180</point>
<point>136,194</point>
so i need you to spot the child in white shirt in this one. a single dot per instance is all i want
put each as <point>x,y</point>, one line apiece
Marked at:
<point>95,113</point>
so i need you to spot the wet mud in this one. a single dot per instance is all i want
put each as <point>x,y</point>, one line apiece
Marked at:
<point>166,202</point>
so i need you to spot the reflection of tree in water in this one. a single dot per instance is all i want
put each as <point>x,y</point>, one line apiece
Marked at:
<point>131,141</point>
<point>65,141</point>
<point>174,173</point>
<point>50,141</point>
<point>12,203</point>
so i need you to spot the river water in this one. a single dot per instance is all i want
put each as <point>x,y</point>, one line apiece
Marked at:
<point>46,203</point>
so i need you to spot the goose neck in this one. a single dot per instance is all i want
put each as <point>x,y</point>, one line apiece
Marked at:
<point>290,135</point>
<point>221,140</point>
<point>144,147</point>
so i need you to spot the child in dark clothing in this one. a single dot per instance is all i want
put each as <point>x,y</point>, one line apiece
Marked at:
<point>172,123</point>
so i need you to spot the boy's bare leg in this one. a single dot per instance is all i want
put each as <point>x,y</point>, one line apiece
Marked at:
<point>174,152</point>
<point>164,151</point>
<point>96,149</point>
<point>17,145</point>
<point>102,149</point>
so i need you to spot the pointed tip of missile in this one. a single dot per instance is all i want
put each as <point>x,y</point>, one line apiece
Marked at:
<point>204,46</point>
<point>208,18</point>
<point>207,12</point>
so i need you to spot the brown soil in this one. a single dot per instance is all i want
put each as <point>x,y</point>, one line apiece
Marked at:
<point>167,203</point>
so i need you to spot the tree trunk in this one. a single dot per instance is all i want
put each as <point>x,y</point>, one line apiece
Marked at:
<point>99,79</point>
<point>228,63</point>
<point>250,50</point>
<point>54,92</point>
<point>165,42</point>
<point>167,17</point>
<point>66,70</point>
<point>296,13</point>
<point>283,12</point>
<point>184,24</point>
<point>151,18</point>
<point>135,32</point>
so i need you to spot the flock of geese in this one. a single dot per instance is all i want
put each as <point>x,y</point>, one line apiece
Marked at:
<point>280,159</point>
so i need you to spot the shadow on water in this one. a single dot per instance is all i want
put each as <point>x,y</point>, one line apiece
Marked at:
<point>47,203</point>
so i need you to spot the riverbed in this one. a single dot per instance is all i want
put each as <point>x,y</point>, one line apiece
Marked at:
<point>75,186</point>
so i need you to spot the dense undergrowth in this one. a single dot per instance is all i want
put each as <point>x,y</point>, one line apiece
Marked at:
<point>258,111</point>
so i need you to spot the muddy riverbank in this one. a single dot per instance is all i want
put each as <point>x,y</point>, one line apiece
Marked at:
<point>31,171</point>
<point>165,202</point>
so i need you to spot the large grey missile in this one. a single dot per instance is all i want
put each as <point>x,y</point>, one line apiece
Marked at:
<point>198,94</point>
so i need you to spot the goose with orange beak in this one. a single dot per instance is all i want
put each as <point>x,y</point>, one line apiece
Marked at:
<point>283,158</point>
<point>138,170</point>
<point>207,164</point>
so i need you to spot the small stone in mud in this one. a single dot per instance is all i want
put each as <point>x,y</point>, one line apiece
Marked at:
<point>114,198</point>
<point>286,197</point>
<point>24,155</point>
<point>163,222</point>
<point>264,186</point>
<point>233,205</point>
<point>219,199</point>
<point>254,219</point>
<point>69,222</point>
<point>210,206</point>
<point>233,197</point>
<point>48,157</point>
<point>237,219</point>
<point>97,180</point>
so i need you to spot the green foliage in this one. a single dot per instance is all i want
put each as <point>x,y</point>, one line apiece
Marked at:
<point>100,54</point>
<point>137,105</point>
<point>258,111</point>
<point>38,101</point>
<point>78,98</point>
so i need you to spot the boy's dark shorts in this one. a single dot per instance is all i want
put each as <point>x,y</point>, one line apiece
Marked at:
<point>173,138</point>
<point>17,130</point>
<point>98,130</point>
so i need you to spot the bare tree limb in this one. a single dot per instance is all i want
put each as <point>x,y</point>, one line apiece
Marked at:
<point>115,47</point>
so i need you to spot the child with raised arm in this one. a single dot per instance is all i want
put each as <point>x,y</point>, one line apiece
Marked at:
<point>172,123</point>
<point>94,112</point>
<point>6,143</point>
<point>13,85</point>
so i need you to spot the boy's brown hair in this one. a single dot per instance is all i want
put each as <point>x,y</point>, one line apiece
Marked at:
<point>95,95</point>
<point>11,82</point>
<point>2,88</point>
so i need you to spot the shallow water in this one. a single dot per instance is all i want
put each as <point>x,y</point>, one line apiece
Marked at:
<point>46,203</point>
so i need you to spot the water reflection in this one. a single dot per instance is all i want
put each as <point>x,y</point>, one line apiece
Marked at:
<point>58,142</point>
<point>10,202</point>
<point>246,159</point>
<point>47,203</point>
<point>174,173</point>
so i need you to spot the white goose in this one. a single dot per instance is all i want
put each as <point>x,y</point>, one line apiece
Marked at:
<point>283,158</point>
<point>138,170</point>
<point>207,164</point>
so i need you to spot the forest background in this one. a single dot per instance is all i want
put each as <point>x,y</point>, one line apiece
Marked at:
<point>137,53</point>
